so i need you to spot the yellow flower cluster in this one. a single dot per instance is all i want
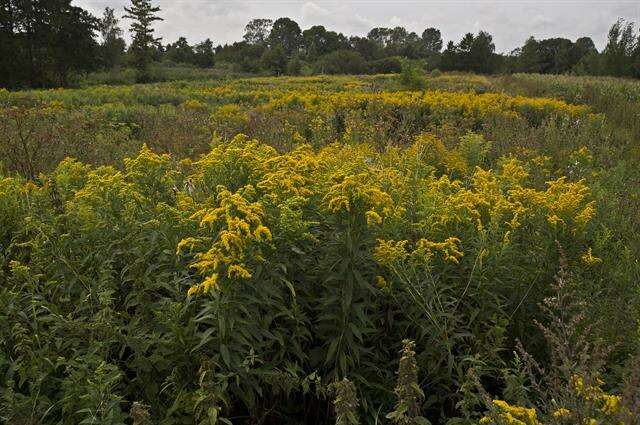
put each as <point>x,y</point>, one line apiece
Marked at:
<point>609,404</point>
<point>581,157</point>
<point>467,103</point>
<point>589,259</point>
<point>229,119</point>
<point>106,193</point>
<point>501,200</point>
<point>10,204</point>
<point>381,282</point>
<point>389,253</point>
<point>309,106</point>
<point>151,171</point>
<point>379,189</point>
<point>193,104</point>
<point>355,193</point>
<point>565,201</point>
<point>237,225</point>
<point>561,413</point>
<point>416,206</point>
<point>448,248</point>
<point>512,415</point>
<point>290,175</point>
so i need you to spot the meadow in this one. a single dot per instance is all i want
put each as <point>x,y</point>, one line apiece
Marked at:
<point>452,249</point>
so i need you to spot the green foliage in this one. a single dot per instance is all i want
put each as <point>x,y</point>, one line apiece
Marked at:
<point>143,15</point>
<point>474,149</point>
<point>408,391</point>
<point>554,55</point>
<point>318,41</point>
<point>345,402</point>
<point>113,45</point>
<point>294,66</point>
<point>203,55</point>
<point>180,51</point>
<point>622,52</point>
<point>389,215</point>
<point>569,388</point>
<point>88,392</point>
<point>275,60</point>
<point>286,35</point>
<point>412,77</point>
<point>43,43</point>
<point>475,53</point>
<point>341,62</point>
<point>58,46</point>
<point>52,43</point>
<point>257,31</point>
<point>392,65</point>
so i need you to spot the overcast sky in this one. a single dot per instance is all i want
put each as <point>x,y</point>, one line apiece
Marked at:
<point>510,22</point>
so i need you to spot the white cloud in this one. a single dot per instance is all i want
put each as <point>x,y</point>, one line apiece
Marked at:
<point>311,10</point>
<point>510,22</point>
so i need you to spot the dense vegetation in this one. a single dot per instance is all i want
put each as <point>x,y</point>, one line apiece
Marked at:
<point>50,43</point>
<point>273,250</point>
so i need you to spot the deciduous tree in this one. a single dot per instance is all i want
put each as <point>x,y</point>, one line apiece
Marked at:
<point>286,34</point>
<point>257,31</point>
<point>44,41</point>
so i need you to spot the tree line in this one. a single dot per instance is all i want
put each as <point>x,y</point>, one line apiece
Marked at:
<point>45,43</point>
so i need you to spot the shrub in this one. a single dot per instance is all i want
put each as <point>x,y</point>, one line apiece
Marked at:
<point>411,76</point>
<point>294,66</point>
<point>341,62</point>
<point>569,389</point>
<point>274,60</point>
<point>390,65</point>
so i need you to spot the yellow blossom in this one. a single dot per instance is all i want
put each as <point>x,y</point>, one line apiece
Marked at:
<point>448,248</point>
<point>262,233</point>
<point>589,259</point>
<point>389,252</point>
<point>561,413</point>
<point>373,218</point>
<point>512,415</point>
<point>209,283</point>
<point>239,271</point>
<point>381,282</point>
<point>611,404</point>
<point>237,231</point>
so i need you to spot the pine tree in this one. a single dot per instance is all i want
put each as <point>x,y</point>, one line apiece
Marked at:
<point>143,14</point>
<point>113,45</point>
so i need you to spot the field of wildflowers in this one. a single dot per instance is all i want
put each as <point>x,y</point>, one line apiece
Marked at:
<point>320,250</point>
